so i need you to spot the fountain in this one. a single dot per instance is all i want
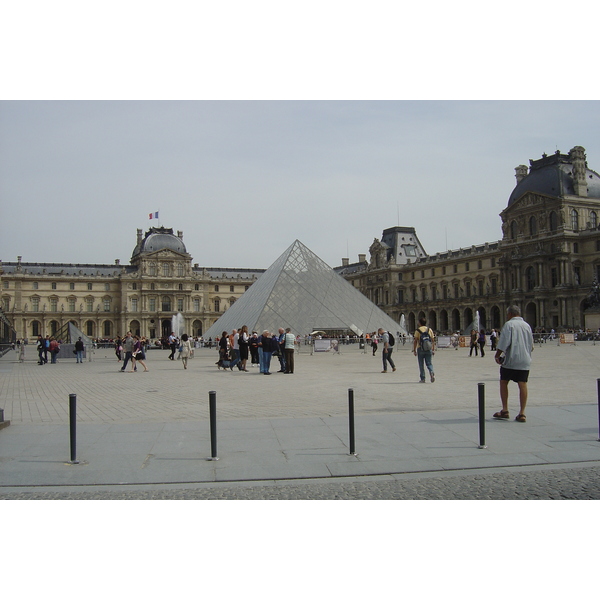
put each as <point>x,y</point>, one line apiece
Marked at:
<point>178,324</point>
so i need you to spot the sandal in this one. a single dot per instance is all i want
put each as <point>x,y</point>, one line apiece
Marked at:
<point>503,414</point>
<point>521,418</point>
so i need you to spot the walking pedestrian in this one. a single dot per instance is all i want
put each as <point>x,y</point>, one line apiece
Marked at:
<point>386,352</point>
<point>473,342</point>
<point>172,345</point>
<point>128,345</point>
<point>138,355</point>
<point>186,350</point>
<point>481,341</point>
<point>513,354</point>
<point>424,349</point>
<point>374,342</point>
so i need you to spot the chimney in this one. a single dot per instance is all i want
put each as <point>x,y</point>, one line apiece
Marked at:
<point>362,258</point>
<point>139,236</point>
<point>117,261</point>
<point>345,262</point>
<point>180,235</point>
<point>520,173</point>
<point>577,156</point>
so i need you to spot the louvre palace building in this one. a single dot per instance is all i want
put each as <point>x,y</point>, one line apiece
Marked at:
<point>105,301</point>
<point>546,263</point>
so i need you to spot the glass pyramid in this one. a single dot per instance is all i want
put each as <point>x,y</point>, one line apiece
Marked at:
<point>302,292</point>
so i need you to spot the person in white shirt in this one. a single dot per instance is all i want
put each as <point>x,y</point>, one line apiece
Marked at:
<point>513,354</point>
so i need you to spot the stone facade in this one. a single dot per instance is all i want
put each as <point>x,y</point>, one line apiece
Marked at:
<point>108,300</point>
<point>546,262</point>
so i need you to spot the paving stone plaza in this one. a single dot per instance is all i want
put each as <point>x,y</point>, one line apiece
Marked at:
<point>147,435</point>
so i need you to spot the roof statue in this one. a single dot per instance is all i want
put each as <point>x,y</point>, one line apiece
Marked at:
<point>302,292</point>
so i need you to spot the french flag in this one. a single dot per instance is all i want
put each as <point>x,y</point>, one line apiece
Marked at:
<point>153,215</point>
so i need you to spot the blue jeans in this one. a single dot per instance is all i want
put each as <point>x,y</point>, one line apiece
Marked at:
<point>265,360</point>
<point>79,356</point>
<point>386,355</point>
<point>424,357</point>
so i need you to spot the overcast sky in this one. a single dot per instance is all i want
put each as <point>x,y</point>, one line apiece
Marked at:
<point>244,179</point>
<point>250,125</point>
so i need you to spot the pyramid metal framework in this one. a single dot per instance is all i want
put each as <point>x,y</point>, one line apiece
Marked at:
<point>302,292</point>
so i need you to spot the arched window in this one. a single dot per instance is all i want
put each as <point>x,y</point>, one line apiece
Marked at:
<point>152,269</point>
<point>593,219</point>
<point>553,221</point>
<point>513,230</point>
<point>180,272</point>
<point>532,226</point>
<point>574,220</point>
<point>530,278</point>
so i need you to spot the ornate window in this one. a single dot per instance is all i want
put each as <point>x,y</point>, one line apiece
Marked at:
<point>180,271</point>
<point>152,307</point>
<point>106,304</point>
<point>530,278</point>
<point>166,304</point>
<point>593,219</point>
<point>71,304</point>
<point>532,226</point>
<point>90,304</point>
<point>196,305</point>
<point>574,220</point>
<point>152,269</point>
<point>513,230</point>
<point>179,304</point>
<point>217,305</point>
<point>553,221</point>
<point>53,304</point>
<point>134,305</point>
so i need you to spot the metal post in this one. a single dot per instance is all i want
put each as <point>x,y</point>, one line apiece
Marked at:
<point>351,420</point>
<point>598,384</point>
<point>481,395</point>
<point>212,407</point>
<point>73,427</point>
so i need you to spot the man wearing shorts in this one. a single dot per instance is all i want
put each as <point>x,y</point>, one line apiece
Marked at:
<point>513,354</point>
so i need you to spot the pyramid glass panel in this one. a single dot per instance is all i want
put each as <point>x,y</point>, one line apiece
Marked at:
<point>302,292</point>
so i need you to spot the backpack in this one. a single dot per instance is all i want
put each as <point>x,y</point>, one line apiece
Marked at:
<point>392,341</point>
<point>425,341</point>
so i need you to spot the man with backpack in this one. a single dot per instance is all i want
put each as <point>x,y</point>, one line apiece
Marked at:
<point>424,349</point>
<point>387,339</point>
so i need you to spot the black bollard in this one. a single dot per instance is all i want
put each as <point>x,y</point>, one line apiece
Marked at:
<point>598,383</point>
<point>73,427</point>
<point>481,394</point>
<point>212,407</point>
<point>351,420</point>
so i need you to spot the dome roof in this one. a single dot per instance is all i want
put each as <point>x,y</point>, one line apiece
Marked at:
<point>553,176</point>
<point>159,238</point>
